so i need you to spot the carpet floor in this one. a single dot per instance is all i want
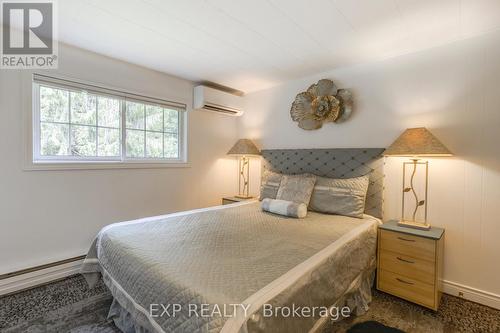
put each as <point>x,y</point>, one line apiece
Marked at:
<point>454,315</point>
<point>70,306</point>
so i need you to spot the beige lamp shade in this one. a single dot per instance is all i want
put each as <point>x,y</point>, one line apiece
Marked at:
<point>417,142</point>
<point>244,147</point>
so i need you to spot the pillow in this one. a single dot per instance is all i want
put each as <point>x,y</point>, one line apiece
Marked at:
<point>285,208</point>
<point>340,196</point>
<point>296,188</point>
<point>270,185</point>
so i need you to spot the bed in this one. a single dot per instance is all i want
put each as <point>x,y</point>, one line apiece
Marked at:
<point>234,268</point>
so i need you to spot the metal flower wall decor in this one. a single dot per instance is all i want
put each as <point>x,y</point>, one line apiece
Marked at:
<point>321,103</point>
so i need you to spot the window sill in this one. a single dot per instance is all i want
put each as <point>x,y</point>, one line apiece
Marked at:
<point>82,165</point>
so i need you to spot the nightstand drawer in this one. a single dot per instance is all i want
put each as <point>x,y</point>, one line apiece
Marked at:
<point>413,246</point>
<point>407,288</point>
<point>418,269</point>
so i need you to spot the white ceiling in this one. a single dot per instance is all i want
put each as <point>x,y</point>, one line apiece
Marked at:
<point>251,45</point>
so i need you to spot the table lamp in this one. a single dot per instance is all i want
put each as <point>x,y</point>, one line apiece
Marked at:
<point>416,142</point>
<point>244,149</point>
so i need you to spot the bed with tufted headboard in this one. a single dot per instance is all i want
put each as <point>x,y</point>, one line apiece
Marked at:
<point>333,163</point>
<point>239,254</point>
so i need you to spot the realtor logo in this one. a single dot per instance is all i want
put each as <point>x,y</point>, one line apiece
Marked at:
<point>28,35</point>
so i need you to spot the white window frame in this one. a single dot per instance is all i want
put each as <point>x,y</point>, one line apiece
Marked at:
<point>83,162</point>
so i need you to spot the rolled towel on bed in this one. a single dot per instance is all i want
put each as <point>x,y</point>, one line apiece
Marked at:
<point>285,208</point>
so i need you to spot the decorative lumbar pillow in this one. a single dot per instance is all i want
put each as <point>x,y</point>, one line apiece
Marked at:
<point>285,208</point>
<point>270,184</point>
<point>296,188</point>
<point>340,196</point>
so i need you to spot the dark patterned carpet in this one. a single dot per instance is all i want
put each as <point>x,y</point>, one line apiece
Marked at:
<point>69,306</point>
<point>454,315</point>
<point>63,306</point>
<point>371,327</point>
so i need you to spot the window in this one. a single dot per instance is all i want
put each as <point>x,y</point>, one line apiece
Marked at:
<point>151,131</point>
<point>74,122</point>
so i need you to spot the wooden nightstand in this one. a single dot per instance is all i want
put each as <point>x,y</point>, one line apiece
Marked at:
<point>230,200</point>
<point>410,263</point>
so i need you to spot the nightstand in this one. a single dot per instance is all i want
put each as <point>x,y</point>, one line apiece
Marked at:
<point>230,200</point>
<point>410,263</point>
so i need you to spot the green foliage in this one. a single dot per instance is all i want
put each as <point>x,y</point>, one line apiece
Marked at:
<point>88,125</point>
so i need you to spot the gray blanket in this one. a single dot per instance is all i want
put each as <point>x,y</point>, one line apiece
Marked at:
<point>234,258</point>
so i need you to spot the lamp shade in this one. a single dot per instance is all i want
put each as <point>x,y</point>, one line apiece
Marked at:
<point>244,147</point>
<point>417,142</point>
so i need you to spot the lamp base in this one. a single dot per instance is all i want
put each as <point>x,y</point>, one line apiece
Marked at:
<point>414,225</point>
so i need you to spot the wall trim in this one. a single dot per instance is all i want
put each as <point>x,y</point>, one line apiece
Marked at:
<point>472,294</point>
<point>35,276</point>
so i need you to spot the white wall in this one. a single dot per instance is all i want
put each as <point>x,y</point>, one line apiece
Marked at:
<point>454,91</point>
<point>52,215</point>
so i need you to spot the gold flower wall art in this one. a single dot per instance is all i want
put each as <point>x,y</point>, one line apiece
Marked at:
<point>321,103</point>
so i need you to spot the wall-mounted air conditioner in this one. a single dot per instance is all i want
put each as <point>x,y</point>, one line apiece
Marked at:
<point>214,100</point>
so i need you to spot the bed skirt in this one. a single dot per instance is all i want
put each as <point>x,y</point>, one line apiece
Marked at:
<point>357,298</point>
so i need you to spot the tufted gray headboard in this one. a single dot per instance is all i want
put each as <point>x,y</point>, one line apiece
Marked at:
<point>333,163</point>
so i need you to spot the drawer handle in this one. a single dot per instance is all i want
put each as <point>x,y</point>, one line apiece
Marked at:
<point>404,260</point>
<point>403,281</point>
<point>406,239</point>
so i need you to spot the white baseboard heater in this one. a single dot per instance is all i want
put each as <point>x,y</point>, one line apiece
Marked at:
<point>39,275</point>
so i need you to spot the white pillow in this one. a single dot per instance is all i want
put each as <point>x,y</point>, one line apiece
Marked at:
<point>285,208</point>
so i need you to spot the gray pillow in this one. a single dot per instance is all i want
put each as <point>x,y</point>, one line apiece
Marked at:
<point>285,208</point>
<point>296,188</point>
<point>340,196</point>
<point>270,184</point>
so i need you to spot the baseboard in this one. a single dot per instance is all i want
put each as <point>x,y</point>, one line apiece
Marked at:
<point>472,294</point>
<point>32,278</point>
